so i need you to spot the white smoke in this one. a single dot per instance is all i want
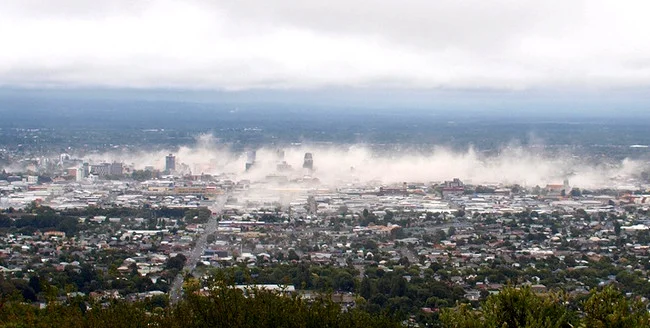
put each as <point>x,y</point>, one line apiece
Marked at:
<point>340,165</point>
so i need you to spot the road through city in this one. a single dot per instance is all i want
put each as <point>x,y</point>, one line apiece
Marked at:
<point>176,290</point>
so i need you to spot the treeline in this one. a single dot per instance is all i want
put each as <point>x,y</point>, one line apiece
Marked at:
<point>44,218</point>
<point>226,306</point>
<point>49,281</point>
<point>29,223</point>
<point>202,214</point>
<point>521,307</point>
<point>381,292</point>
<point>223,306</point>
<point>391,293</point>
<point>300,275</point>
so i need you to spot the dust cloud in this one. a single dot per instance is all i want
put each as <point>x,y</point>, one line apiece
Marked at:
<point>358,164</point>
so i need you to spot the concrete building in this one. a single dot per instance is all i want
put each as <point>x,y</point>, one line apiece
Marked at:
<point>250,159</point>
<point>116,169</point>
<point>79,174</point>
<point>101,170</point>
<point>170,163</point>
<point>308,162</point>
<point>451,188</point>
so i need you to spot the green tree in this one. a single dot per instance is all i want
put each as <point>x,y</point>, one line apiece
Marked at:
<point>610,308</point>
<point>220,306</point>
<point>513,307</point>
<point>177,262</point>
<point>462,316</point>
<point>293,256</point>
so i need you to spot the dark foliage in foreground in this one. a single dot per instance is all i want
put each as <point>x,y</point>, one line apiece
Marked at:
<point>521,307</point>
<point>226,306</point>
<point>223,306</point>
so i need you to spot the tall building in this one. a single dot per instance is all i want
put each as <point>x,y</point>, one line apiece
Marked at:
<point>250,159</point>
<point>170,163</point>
<point>116,169</point>
<point>101,170</point>
<point>64,159</point>
<point>86,170</point>
<point>282,165</point>
<point>308,162</point>
<point>80,173</point>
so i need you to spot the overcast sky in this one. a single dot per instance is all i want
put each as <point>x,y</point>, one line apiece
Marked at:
<point>299,44</point>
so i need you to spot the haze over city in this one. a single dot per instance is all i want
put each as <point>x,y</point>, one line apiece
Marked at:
<point>325,163</point>
<point>357,164</point>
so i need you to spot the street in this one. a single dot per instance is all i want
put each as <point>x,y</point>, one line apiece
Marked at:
<point>176,290</point>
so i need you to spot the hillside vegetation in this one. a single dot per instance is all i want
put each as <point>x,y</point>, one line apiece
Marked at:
<point>226,306</point>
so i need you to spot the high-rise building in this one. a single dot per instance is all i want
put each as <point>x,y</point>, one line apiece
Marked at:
<point>80,173</point>
<point>64,159</point>
<point>308,162</point>
<point>250,159</point>
<point>170,163</point>
<point>86,170</point>
<point>116,169</point>
<point>101,170</point>
<point>282,165</point>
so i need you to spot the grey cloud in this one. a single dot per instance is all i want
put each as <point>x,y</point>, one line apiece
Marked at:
<point>476,25</point>
<point>502,44</point>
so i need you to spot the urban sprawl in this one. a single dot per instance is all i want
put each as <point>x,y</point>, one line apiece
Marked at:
<point>110,231</point>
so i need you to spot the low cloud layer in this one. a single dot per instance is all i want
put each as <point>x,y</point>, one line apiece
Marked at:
<point>503,44</point>
<point>341,166</point>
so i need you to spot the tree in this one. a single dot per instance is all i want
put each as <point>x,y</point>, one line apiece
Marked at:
<point>404,261</point>
<point>5,221</point>
<point>177,262</point>
<point>610,308</point>
<point>439,236</point>
<point>211,239</point>
<point>293,256</point>
<point>398,286</point>
<point>513,307</point>
<point>366,290</point>
<point>223,306</point>
<point>344,281</point>
<point>35,283</point>
<point>462,316</point>
<point>142,175</point>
